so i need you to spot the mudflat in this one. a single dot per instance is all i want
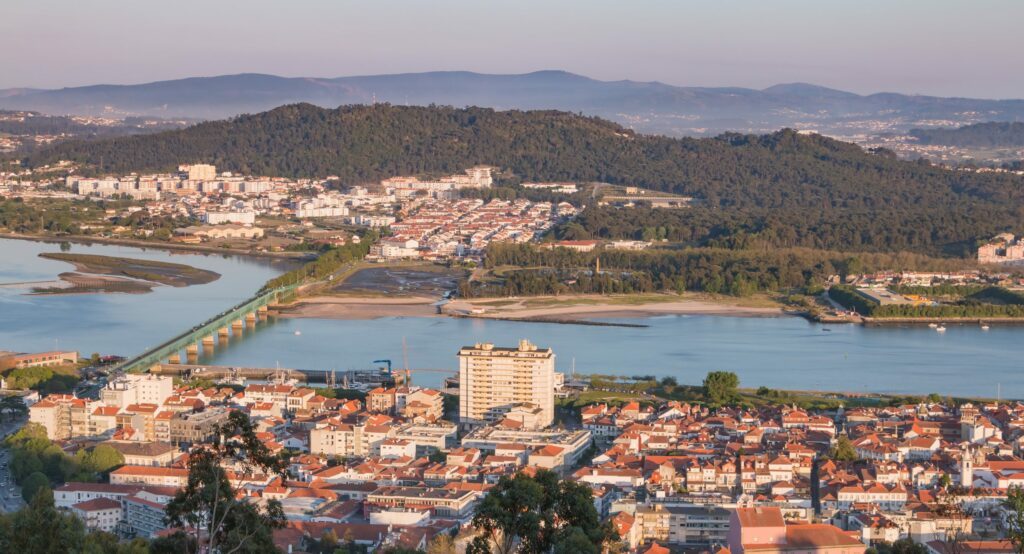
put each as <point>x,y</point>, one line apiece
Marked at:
<point>94,274</point>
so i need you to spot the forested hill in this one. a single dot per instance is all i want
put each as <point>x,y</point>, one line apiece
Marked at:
<point>980,135</point>
<point>782,189</point>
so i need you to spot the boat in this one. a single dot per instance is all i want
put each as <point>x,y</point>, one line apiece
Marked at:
<point>297,333</point>
<point>933,325</point>
<point>827,330</point>
<point>941,328</point>
<point>984,327</point>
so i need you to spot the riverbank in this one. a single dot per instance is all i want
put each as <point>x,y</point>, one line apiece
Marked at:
<point>171,246</point>
<point>960,321</point>
<point>357,307</point>
<point>580,309</point>
<point>590,307</point>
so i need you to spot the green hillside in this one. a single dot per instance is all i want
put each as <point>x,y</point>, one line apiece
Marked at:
<point>777,190</point>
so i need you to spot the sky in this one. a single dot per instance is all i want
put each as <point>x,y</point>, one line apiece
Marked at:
<point>971,48</point>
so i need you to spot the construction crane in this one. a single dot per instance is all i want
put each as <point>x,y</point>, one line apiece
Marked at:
<point>384,362</point>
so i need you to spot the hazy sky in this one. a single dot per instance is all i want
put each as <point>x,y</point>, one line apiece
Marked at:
<point>968,48</point>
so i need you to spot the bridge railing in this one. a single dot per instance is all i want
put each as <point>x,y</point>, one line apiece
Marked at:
<point>155,355</point>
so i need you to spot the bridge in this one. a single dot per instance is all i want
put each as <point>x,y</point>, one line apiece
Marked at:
<point>230,323</point>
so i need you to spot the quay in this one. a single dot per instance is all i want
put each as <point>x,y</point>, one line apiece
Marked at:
<point>219,372</point>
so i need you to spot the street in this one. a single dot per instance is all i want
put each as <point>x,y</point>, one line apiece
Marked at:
<point>10,494</point>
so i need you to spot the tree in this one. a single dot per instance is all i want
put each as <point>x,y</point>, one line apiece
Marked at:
<point>843,450</point>
<point>12,407</point>
<point>720,387</point>
<point>33,485</point>
<point>441,544</point>
<point>950,506</point>
<point>102,459</point>
<point>575,541</point>
<point>208,505</point>
<point>175,543</point>
<point>40,528</point>
<point>438,456</point>
<point>902,546</point>
<point>99,542</point>
<point>535,514</point>
<point>1014,506</point>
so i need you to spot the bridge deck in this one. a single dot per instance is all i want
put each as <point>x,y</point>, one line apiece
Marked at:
<point>155,355</point>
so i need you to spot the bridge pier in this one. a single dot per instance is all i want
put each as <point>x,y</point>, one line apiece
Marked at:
<point>223,332</point>
<point>262,310</point>
<point>192,352</point>
<point>208,344</point>
<point>237,327</point>
<point>250,320</point>
<point>174,358</point>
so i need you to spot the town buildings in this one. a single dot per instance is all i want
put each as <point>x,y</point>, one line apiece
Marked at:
<point>1003,249</point>
<point>765,479</point>
<point>9,360</point>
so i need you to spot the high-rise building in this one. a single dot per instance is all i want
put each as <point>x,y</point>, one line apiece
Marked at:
<point>494,381</point>
<point>199,172</point>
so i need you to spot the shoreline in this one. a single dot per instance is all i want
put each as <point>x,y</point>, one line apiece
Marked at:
<point>85,239</point>
<point>959,321</point>
<point>586,308</point>
<point>373,307</point>
<point>358,307</point>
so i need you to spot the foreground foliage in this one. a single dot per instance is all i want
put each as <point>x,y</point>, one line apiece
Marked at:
<point>532,515</point>
<point>208,510</point>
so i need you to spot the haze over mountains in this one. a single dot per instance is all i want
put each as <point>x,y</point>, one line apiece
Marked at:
<point>644,106</point>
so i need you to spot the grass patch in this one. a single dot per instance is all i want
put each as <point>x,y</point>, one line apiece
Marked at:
<point>594,397</point>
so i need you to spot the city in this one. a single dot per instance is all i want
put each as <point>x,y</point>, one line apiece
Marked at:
<point>511,278</point>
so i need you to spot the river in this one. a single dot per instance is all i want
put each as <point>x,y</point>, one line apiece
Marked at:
<point>779,352</point>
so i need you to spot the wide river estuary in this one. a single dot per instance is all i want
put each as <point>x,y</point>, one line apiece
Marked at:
<point>779,352</point>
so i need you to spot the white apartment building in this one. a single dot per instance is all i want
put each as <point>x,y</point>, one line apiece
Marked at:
<point>199,172</point>
<point>143,388</point>
<point>495,380</point>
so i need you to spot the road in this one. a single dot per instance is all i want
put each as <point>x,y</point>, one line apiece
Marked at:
<point>10,494</point>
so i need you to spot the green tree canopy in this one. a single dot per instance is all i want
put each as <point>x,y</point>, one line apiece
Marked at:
<point>720,387</point>
<point>843,450</point>
<point>34,484</point>
<point>1014,506</point>
<point>532,515</point>
<point>208,504</point>
<point>41,528</point>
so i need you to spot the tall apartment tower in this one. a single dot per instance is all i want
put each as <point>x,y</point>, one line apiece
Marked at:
<point>494,381</point>
<point>199,172</point>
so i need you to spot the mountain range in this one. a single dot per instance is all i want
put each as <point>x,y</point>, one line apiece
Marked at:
<point>644,106</point>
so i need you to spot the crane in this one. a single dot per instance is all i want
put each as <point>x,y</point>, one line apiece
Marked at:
<point>384,362</point>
